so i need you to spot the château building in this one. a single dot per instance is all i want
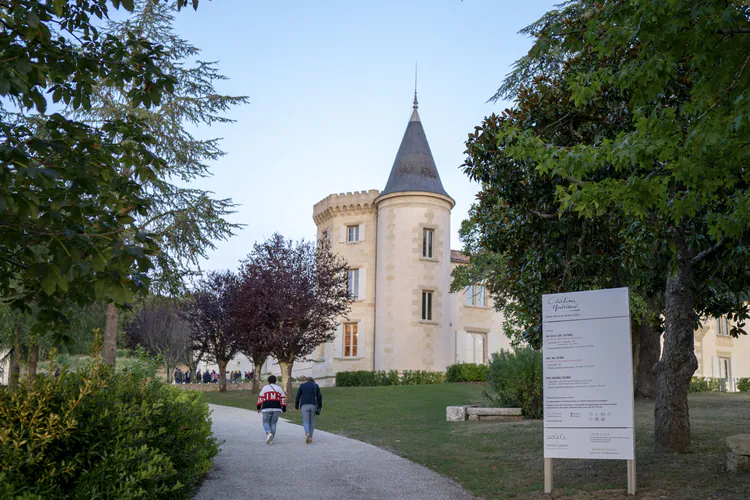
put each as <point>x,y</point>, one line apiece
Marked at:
<point>397,244</point>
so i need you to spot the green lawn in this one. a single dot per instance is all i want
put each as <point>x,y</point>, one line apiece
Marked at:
<point>504,460</point>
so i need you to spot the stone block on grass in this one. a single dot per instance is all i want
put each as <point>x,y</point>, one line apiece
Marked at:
<point>498,412</point>
<point>738,463</point>
<point>739,444</point>
<point>500,418</point>
<point>474,417</point>
<point>738,458</point>
<point>455,413</point>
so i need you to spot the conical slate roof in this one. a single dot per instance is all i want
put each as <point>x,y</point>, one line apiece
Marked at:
<point>414,168</point>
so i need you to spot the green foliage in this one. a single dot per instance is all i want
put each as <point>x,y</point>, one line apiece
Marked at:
<point>184,219</point>
<point>467,372</point>
<point>707,384</point>
<point>76,195</point>
<point>743,384</point>
<point>418,377</point>
<point>516,380</point>
<point>365,378</point>
<point>95,434</point>
<point>371,378</point>
<point>698,384</point>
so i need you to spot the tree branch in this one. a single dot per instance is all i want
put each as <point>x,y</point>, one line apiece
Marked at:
<point>708,252</point>
<point>728,89</point>
<point>544,216</point>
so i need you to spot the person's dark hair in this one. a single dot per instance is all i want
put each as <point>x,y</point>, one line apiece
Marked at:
<point>272,379</point>
<point>310,379</point>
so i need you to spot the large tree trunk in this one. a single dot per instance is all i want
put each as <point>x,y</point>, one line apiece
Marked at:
<point>650,351</point>
<point>15,367</point>
<point>286,377</point>
<point>635,347</point>
<point>258,362</point>
<point>222,376</point>
<point>678,362</point>
<point>33,362</point>
<point>109,342</point>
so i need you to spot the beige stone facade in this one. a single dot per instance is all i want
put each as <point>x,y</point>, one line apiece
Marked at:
<point>720,355</point>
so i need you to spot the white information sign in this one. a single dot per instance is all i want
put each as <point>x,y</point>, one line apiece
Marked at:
<point>588,375</point>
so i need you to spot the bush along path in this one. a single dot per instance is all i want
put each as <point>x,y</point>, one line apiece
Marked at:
<point>331,467</point>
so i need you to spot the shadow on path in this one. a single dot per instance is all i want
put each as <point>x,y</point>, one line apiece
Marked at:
<point>332,467</point>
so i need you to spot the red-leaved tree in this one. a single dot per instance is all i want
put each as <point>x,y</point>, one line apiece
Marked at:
<point>251,327</point>
<point>209,310</point>
<point>298,290</point>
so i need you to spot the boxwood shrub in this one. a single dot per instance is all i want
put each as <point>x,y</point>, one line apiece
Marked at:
<point>516,380</point>
<point>743,384</point>
<point>467,372</point>
<point>97,434</point>
<point>371,378</point>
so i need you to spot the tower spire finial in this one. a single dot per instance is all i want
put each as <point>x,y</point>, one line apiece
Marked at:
<point>416,104</point>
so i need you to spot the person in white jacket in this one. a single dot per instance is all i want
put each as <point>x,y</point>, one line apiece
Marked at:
<point>271,403</point>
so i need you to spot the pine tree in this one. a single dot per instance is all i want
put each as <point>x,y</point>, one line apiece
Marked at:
<point>185,220</point>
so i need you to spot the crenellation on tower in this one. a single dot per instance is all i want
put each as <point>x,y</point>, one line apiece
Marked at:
<point>351,203</point>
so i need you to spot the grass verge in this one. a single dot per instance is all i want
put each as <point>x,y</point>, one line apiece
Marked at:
<point>504,460</point>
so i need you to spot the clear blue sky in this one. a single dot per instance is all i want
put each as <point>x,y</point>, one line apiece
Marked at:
<point>331,85</point>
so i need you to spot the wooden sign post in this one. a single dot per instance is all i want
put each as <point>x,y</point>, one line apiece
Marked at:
<point>588,379</point>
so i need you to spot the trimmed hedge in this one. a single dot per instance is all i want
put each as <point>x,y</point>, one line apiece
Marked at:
<point>706,384</point>
<point>419,377</point>
<point>99,434</point>
<point>372,378</point>
<point>467,372</point>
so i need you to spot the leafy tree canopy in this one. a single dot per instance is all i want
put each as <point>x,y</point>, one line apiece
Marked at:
<point>671,80</point>
<point>71,193</point>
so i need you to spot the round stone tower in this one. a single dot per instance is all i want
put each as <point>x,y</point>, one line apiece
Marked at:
<point>412,289</point>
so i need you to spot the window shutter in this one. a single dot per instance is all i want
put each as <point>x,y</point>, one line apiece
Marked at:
<point>714,367</point>
<point>360,339</point>
<point>338,341</point>
<point>343,235</point>
<point>362,283</point>
<point>361,232</point>
<point>461,346</point>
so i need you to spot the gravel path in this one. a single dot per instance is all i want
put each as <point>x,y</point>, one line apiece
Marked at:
<point>332,467</point>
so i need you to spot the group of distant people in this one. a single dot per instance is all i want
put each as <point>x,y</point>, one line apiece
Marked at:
<point>181,377</point>
<point>206,377</point>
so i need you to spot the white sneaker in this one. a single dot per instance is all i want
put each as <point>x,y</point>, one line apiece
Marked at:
<point>269,438</point>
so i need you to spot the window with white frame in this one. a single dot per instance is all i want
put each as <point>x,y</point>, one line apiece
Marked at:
<point>426,305</point>
<point>476,344</point>
<point>722,326</point>
<point>475,296</point>
<point>353,284</point>
<point>725,368</point>
<point>352,233</point>
<point>351,335</point>
<point>328,236</point>
<point>427,238</point>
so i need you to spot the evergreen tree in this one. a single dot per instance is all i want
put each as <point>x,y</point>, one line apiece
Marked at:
<point>184,219</point>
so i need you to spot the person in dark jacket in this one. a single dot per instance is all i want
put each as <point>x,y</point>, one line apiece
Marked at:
<point>310,401</point>
<point>206,377</point>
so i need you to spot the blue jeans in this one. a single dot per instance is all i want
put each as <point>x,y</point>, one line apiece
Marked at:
<point>269,421</point>
<point>308,418</point>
